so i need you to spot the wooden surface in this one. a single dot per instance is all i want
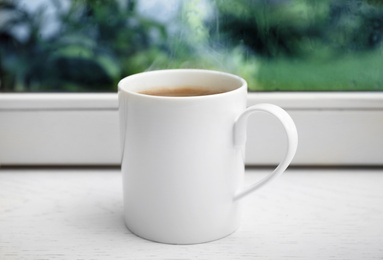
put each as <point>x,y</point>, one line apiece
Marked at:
<point>305,214</point>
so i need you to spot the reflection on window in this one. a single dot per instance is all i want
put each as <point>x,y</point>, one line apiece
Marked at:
<point>277,45</point>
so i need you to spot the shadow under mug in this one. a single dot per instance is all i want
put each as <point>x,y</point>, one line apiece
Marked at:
<point>183,157</point>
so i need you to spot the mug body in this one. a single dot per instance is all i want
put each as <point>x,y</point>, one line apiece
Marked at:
<point>180,166</point>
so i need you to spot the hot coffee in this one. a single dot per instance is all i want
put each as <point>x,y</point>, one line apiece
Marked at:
<point>181,91</point>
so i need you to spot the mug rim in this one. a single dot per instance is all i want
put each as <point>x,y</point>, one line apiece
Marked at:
<point>123,88</point>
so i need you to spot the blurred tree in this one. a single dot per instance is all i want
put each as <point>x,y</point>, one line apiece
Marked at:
<point>20,56</point>
<point>301,28</point>
<point>354,26</point>
<point>271,28</point>
<point>95,45</point>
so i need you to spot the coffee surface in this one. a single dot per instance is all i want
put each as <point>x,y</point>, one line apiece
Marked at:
<point>181,91</point>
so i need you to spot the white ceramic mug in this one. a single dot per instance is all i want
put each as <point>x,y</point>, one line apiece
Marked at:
<point>183,157</point>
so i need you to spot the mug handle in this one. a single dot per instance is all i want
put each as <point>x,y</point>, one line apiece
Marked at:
<point>292,142</point>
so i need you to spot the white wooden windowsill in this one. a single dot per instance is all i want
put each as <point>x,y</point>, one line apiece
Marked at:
<point>305,214</point>
<point>82,129</point>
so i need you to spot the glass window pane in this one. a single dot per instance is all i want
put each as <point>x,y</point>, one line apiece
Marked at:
<point>277,45</point>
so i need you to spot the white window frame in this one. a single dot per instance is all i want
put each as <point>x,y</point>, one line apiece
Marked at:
<point>335,129</point>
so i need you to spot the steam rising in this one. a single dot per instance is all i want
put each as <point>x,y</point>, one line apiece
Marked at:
<point>195,26</point>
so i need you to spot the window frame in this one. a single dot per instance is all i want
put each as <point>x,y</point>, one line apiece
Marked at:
<point>335,129</point>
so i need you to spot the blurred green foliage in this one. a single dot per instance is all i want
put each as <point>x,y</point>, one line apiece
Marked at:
<point>282,45</point>
<point>95,45</point>
<point>301,45</point>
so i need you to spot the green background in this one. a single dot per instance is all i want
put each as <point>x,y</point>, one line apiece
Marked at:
<point>276,45</point>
